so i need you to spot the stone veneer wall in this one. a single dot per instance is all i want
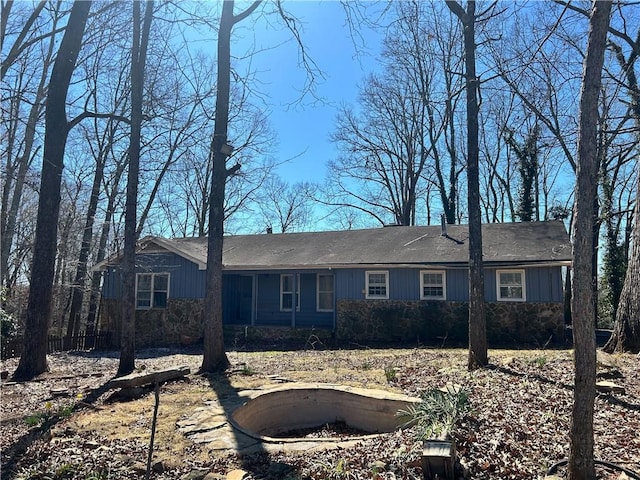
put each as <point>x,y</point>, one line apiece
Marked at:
<point>179,323</point>
<point>236,336</point>
<point>360,321</point>
<point>440,322</point>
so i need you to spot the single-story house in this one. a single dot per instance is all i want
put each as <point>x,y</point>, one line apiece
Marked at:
<point>381,284</point>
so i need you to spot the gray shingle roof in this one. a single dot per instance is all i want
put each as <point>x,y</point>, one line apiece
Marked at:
<point>512,243</point>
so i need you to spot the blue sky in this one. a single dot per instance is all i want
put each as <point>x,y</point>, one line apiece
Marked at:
<point>303,128</point>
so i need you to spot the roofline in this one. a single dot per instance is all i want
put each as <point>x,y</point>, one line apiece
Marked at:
<point>455,265</point>
<point>162,242</point>
<point>172,248</point>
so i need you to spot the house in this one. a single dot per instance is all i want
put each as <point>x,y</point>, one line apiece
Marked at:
<point>382,284</point>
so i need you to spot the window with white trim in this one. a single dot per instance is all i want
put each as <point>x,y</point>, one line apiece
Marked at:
<point>433,285</point>
<point>325,292</point>
<point>152,290</point>
<point>377,284</point>
<point>510,285</point>
<point>286,292</point>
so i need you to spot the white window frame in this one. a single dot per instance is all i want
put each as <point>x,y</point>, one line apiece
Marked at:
<point>367,274</point>
<point>289,292</point>
<point>332,292</point>
<point>499,284</point>
<point>443,285</point>
<point>153,290</point>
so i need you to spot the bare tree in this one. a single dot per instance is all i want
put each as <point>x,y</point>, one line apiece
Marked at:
<point>386,151</point>
<point>478,356</point>
<point>111,189</point>
<point>541,65</point>
<point>286,207</point>
<point>214,357</point>
<point>581,462</point>
<point>138,60</point>
<point>22,40</point>
<point>34,359</point>
<point>21,140</point>
<point>251,137</point>
<point>626,331</point>
<point>396,144</point>
<point>104,144</point>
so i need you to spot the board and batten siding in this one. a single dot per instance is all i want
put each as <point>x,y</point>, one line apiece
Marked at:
<point>268,303</point>
<point>185,280</point>
<point>543,284</point>
<point>404,283</point>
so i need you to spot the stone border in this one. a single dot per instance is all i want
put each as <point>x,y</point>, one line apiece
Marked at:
<point>306,405</point>
<point>217,424</point>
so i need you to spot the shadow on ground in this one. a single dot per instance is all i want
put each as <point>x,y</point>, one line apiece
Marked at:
<point>252,454</point>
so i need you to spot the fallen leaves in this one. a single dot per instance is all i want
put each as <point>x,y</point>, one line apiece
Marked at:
<point>518,427</point>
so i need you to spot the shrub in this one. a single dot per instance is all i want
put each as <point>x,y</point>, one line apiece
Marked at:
<point>438,412</point>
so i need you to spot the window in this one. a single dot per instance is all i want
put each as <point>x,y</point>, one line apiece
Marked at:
<point>286,292</point>
<point>511,285</point>
<point>377,284</point>
<point>152,290</point>
<point>433,285</point>
<point>325,293</point>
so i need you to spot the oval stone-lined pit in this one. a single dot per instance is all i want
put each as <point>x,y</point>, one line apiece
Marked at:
<point>303,406</point>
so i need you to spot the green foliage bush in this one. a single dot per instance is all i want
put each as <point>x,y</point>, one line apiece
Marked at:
<point>438,412</point>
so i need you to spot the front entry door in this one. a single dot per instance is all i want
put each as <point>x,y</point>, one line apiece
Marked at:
<point>237,299</point>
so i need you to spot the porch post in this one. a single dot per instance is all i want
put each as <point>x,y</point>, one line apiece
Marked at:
<point>254,298</point>
<point>294,286</point>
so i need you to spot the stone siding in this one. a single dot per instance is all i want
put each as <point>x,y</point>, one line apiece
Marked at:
<point>238,337</point>
<point>179,323</point>
<point>359,321</point>
<point>441,322</point>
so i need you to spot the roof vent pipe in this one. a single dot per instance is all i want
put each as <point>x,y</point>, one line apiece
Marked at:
<point>443,223</point>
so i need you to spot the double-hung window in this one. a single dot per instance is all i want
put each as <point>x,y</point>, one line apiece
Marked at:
<point>511,285</point>
<point>433,285</point>
<point>325,292</point>
<point>286,292</point>
<point>152,290</point>
<point>377,284</point>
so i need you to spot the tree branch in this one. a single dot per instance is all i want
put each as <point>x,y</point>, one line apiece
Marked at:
<point>233,170</point>
<point>617,33</point>
<point>112,116</point>
<point>18,46</point>
<point>458,11</point>
<point>241,16</point>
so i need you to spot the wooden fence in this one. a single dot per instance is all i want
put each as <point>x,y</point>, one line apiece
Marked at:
<point>12,347</point>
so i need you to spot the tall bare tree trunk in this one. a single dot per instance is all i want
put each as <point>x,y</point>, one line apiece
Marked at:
<point>9,210</point>
<point>626,330</point>
<point>138,59</point>
<point>581,463</point>
<point>214,358</point>
<point>9,215</point>
<point>33,360</point>
<point>92,313</point>
<point>478,356</point>
<point>79,281</point>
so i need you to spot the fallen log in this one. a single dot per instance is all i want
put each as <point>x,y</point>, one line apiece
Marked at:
<point>149,378</point>
<point>609,387</point>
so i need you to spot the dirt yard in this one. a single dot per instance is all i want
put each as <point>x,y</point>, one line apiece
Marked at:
<point>66,424</point>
